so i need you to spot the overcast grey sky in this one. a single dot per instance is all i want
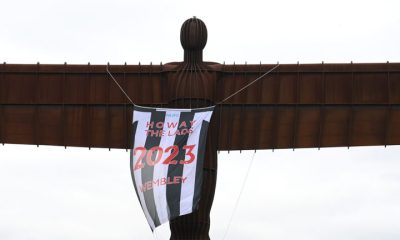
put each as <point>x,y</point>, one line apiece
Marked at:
<point>52,193</point>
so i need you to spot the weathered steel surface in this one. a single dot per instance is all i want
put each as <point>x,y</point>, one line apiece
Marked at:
<point>297,106</point>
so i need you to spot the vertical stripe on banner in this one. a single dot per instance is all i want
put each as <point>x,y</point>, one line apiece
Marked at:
<point>139,140</point>
<point>174,190</point>
<point>200,164</point>
<point>152,140</point>
<point>161,170</point>
<point>194,169</point>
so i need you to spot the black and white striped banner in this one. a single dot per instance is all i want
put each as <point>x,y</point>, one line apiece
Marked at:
<point>167,160</point>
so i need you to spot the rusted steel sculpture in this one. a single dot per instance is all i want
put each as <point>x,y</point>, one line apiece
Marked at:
<point>296,106</point>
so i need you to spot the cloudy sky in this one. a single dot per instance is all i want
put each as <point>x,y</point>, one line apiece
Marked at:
<point>336,193</point>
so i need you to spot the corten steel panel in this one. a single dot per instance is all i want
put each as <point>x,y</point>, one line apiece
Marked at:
<point>284,128</point>
<point>311,88</point>
<point>370,88</point>
<point>50,88</point>
<point>19,88</point>
<point>368,127</point>
<point>224,127</point>
<point>265,131</point>
<point>76,89</point>
<point>296,106</point>
<point>99,127</point>
<point>338,88</point>
<point>268,89</point>
<point>250,127</point>
<point>392,131</point>
<point>17,125</point>
<point>117,128</point>
<point>305,136</point>
<point>49,125</point>
<point>394,87</point>
<point>288,92</point>
<point>98,85</point>
<point>75,126</point>
<point>334,130</point>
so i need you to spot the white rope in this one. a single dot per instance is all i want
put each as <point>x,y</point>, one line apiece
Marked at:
<point>230,96</point>
<point>240,194</point>
<point>248,85</point>
<point>116,82</point>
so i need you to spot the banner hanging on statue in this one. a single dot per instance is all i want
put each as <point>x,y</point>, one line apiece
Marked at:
<point>167,160</point>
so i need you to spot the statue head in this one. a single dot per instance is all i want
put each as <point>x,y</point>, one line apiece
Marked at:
<point>193,39</point>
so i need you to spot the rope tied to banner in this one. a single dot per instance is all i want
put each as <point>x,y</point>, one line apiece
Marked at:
<point>248,85</point>
<point>220,102</point>
<point>122,90</point>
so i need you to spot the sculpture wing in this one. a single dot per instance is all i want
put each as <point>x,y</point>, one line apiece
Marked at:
<point>73,105</point>
<point>310,106</point>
